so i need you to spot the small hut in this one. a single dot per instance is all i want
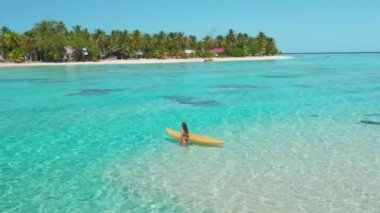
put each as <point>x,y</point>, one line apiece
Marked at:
<point>217,51</point>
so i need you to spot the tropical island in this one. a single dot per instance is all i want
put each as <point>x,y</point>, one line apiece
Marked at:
<point>51,41</point>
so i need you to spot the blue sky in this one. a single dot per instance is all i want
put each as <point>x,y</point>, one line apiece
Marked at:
<point>297,25</point>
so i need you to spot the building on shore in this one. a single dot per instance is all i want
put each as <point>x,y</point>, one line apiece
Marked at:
<point>189,52</point>
<point>217,51</point>
<point>139,53</point>
<point>69,54</point>
<point>85,54</point>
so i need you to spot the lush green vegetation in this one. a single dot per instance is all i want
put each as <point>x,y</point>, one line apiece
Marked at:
<point>49,41</point>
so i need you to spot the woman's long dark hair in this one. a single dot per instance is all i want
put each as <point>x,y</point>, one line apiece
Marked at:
<point>184,127</point>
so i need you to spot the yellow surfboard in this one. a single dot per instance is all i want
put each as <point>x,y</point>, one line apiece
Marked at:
<point>198,139</point>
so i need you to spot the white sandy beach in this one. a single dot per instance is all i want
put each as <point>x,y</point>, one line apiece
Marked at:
<point>145,61</point>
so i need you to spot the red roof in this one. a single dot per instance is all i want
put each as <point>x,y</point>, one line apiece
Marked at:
<point>217,50</point>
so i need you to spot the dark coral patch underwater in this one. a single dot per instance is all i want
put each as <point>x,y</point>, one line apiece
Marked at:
<point>90,92</point>
<point>191,101</point>
<point>237,86</point>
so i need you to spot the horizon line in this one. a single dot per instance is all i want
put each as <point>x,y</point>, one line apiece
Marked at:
<point>335,52</point>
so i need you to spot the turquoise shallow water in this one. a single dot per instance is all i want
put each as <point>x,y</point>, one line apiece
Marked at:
<point>302,135</point>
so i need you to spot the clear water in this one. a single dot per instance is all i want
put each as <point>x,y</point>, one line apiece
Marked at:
<point>301,135</point>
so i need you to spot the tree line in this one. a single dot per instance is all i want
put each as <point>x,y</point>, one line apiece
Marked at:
<point>49,41</point>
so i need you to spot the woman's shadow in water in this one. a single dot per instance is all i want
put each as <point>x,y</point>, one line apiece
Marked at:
<point>193,144</point>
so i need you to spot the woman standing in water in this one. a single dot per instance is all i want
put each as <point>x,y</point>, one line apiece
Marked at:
<point>184,135</point>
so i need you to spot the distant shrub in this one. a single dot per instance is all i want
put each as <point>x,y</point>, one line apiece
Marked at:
<point>237,52</point>
<point>207,55</point>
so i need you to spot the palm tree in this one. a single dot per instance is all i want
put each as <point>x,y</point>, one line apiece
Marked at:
<point>136,40</point>
<point>125,44</point>
<point>261,42</point>
<point>119,43</point>
<point>2,46</point>
<point>77,29</point>
<point>231,36</point>
<point>30,44</point>
<point>208,43</point>
<point>176,43</point>
<point>271,48</point>
<point>220,41</point>
<point>77,42</point>
<point>160,41</point>
<point>83,43</point>
<point>17,55</point>
<point>192,42</point>
<point>161,54</point>
<point>5,30</point>
<point>230,40</point>
<point>113,39</point>
<point>100,38</point>
<point>182,41</point>
<point>11,40</point>
<point>147,45</point>
<point>242,40</point>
